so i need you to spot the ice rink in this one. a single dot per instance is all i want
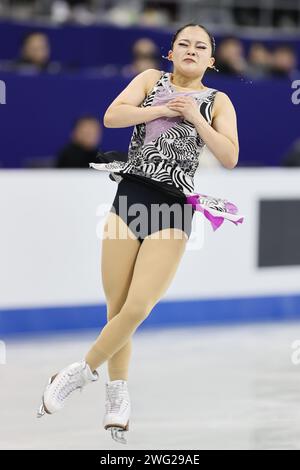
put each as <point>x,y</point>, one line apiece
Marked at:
<point>232,387</point>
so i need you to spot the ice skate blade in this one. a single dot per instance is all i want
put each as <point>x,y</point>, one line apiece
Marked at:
<point>42,409</point>
<point>117,434</point>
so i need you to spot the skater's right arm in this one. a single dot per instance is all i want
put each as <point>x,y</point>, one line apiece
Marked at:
<point>125,110</point>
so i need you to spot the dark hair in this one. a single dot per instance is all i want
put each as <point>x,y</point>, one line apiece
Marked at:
<point>211,38</point>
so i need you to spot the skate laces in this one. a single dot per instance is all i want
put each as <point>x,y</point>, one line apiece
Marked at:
<point>116,394</point>
<point>69,382</point>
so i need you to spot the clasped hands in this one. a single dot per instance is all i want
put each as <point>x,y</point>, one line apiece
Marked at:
<point>185,106</point>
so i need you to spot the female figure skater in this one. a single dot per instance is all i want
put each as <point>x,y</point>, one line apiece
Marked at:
<point>174,116</point>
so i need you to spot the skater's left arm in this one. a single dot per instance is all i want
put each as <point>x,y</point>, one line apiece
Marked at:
<point>221,137</point>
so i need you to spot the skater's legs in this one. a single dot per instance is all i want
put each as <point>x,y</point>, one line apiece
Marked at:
<point>117,263</point>
<point>155,266</point>
<point>118,258</point>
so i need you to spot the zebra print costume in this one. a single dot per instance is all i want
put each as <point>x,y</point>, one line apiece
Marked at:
<point>165,150</point>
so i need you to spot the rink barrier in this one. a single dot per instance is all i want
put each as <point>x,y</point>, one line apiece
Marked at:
<point>165,314</point>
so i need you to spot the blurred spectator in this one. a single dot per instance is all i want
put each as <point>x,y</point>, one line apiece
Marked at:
<point>154,16</point>
<point>121,14</point>
<point>145,56</point>
<point>34,55</point>
<point>284,62</point>
<point>35,51</point>
<point>292,158</point>
<point>83,146</point>
<point>230,58</point>
<point>259,61</point>
<point>286,18</point>
<point>79,11</point>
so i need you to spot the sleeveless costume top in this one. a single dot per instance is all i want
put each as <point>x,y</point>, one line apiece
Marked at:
<point>165,153</point>
<point>164,150</point>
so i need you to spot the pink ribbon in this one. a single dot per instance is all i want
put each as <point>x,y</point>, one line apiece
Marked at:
<point>215,210</point>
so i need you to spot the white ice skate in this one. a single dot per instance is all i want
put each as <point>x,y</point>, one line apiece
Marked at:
<point>61,385</point>
<point>117,409</point>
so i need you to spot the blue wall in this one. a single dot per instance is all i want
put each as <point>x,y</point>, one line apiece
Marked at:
<point>101,44</point>
<point>38,116</point>
<point>164,314</point>
<point>81,45</point>
<point>39,111</point>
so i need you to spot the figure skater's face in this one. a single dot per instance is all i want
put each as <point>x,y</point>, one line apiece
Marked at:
<point>191,54</point>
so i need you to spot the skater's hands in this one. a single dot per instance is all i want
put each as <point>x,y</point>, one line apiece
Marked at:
<point>168,112</point>
<point>186,106</point>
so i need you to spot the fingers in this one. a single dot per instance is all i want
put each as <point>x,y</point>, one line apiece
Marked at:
<point>177,105</point>
<point>177,108</point>
<point>178,100</point>
<point>183,99</point>
<point>181,103</point>
<point>173,105</point>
